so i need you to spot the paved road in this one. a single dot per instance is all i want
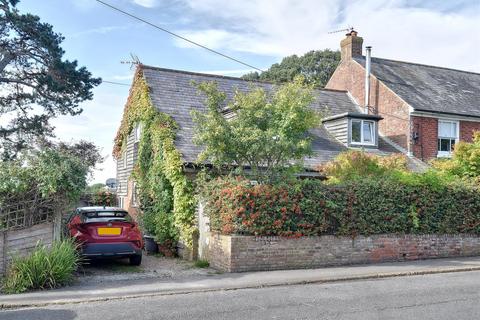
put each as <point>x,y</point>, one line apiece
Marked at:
<point>440,296</point>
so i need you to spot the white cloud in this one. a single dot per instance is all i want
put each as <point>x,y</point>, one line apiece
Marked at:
<point>395,29</point>
<point>146,3</point>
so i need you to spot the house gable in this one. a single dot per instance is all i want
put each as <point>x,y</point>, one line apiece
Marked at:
<point>350,76</point>
<point>412,98</point>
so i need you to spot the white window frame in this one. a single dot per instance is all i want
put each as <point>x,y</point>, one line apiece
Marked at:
<point>138,132</point>
<point>447,154</point>
<point>120,202</point>
<point>362,142</point>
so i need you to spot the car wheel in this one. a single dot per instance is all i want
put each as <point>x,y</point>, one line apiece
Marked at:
<point>136,260</point>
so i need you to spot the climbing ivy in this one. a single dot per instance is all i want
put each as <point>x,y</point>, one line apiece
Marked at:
<point>165,192</point>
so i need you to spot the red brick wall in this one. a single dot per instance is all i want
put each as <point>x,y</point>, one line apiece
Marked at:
<point>350,76</point>
<point>467,128</point>
<point>426,146</point>
<point>249,253</point>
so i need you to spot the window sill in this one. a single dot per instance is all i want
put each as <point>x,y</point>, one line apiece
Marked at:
<point>444,155</point>
<point>359,145</point>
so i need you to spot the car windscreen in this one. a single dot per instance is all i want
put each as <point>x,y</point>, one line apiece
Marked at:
<point>106,216</point>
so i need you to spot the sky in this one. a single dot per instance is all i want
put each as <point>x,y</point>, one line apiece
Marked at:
<point>260,33</point>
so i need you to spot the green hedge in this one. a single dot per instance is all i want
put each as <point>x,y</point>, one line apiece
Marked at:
<point>360,207</point>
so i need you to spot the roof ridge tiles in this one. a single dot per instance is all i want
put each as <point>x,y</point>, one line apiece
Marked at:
<point>144,66</point>
<point>422,65</point>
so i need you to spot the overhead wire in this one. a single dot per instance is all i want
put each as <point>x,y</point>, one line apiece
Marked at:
<point>187,40</point>
<point>117,83</point>
<point>177,35</point>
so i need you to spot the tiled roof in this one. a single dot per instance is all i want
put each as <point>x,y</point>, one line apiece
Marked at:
<point>172,92</point>
<point>430,88</point>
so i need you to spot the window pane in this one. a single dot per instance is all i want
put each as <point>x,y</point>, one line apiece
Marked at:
<point>356,133</point>
<point>444,129</point>
<point>368,131</point>
<point>447,129</point>
<point>444,145</point>
<point>138,131</point>
<point>453,134</point>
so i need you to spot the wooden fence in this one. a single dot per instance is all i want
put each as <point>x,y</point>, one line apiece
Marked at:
<point>25,223</point>
<point>23,241</point>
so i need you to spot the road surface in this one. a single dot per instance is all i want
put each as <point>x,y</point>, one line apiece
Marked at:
<point>439,296</point>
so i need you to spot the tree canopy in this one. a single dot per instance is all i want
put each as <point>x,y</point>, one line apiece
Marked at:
<point>36,84</point>
<point>264,131</point>
<point>315,66</point>
<point>44,173</point>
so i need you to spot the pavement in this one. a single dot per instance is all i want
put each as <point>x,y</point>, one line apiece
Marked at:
<point>108,291</point>
<point>444,296</point>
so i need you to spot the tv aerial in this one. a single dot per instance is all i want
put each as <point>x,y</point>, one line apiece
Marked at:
<point>134,60</point>
<point>349,29</point>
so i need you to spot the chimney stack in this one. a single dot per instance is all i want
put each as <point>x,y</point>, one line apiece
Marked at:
<point>351,46</point>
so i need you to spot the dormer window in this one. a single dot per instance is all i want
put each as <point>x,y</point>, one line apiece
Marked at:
<point>354,129</point>
<point>362,132</point>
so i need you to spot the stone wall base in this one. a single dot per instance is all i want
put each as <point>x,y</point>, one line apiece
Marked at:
<point>250,253</point>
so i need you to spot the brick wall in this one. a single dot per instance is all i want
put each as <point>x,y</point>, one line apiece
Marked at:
<point>426,146</point>
<point>250,253</point>
<point>350,76</point>
<point>467,128</point>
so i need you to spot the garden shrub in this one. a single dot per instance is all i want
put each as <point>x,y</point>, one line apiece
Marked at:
<point>357,207</point>
<point>465,161</point>
<point>104,198</point>
<point>44,268</point>
<point>46,173</point>
<point>352,165</point>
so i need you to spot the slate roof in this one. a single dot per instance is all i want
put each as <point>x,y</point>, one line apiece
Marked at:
<point>430,88</point>
<point>172,92</point>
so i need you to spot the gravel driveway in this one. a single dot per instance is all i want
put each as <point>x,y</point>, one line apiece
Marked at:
<point>153,266</point>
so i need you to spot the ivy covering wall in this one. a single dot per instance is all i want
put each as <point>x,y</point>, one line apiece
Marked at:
<point>166,194</point>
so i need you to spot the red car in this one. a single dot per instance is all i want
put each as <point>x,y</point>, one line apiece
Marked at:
<point>106,232</point>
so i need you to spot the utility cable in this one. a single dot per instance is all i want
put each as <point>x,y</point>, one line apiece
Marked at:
<point>176,35</point>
